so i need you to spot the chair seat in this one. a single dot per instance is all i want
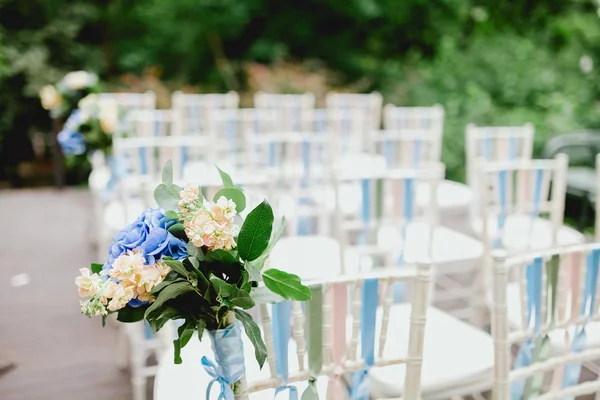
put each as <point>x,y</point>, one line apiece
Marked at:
<point>455,355</point>
<point>520,233</point>
<point>451,196</point>
<point>557,337</point>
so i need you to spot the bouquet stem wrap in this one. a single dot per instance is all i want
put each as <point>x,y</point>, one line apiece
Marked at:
<point>228,369</point>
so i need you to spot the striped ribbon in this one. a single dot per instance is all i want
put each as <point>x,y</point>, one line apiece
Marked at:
<point>572,371</point>
<point>360,386</point>
<point>303,220</point>
<point>336,389</point>
<point>281,336</point>
<point>314,342</point>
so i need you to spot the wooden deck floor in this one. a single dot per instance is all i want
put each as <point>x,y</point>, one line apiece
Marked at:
<point>60,354</point>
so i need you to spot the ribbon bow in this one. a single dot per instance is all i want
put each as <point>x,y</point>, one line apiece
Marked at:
<point>217,375</point>
<point>292,389</point>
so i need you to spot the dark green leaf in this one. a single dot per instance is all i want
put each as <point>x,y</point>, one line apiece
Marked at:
<point>160,317</point>
<point>170,292</point>
<point>172,215</point>
<point>222,316</point>
<point>227,181</point>
<point>241,298</point>
<point>156,289</point>
<point>253,333</point>
<point>223,288</point>
<point>234,194</point>
<point>255,232</point>
<point>178,231</point>
<point>177,351</point>
<point>194,251</point>
<point>167,173</point>
<point>185,332</point>
<point>177,266</point>
<point>131,314</point>
<point>200,327</point>
<point>259,263</point>
<point>96,268</point>
<point>165,197</point>
<point>286,285</point>
<point>221,255</point>
<point>104,320</point>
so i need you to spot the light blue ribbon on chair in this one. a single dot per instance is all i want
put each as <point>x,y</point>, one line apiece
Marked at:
<point>117,171</point>
<point>368,320</point>
<point>281,336</point>
<point>512,148</point>
<point>534,310</point>
<point>572,371</point>
<point>230,132</point>
<point>229,365</point>
<point>485,149</point>
<point>212,369</point>
<point>502,214</point>
<point>304,221</point>
<point>416,154</point>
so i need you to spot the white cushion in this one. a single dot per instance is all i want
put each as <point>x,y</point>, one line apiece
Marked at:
<point>520,232</point>
<point>451,196</point>
<point>454,354</point>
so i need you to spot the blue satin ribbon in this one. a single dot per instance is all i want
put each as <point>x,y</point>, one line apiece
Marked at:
<point>143,161</point>
<point>572,371</point>
<point>416,154</point>
<point>217,375</point>
<point>304,221</point>
<point>512,148</point>
<point>485,149</point>
<point>117,171</point>
<point>368,320</point>
<point>231,131</point>
<point>524,357</point>
<point>502,214</point>
<point>281,320</point>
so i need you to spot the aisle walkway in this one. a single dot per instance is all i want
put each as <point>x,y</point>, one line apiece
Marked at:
<point>60,354</point>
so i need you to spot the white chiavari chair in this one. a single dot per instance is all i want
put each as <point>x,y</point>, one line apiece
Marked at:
<point>596,199</point>
<point>522,208</point>
<point>557,297</point>
<point>295,110</point>
<point>193,110</point>
<point>149,123</point>
<point>370,104</point>
<point>342,348</point>
<point>132,101</point>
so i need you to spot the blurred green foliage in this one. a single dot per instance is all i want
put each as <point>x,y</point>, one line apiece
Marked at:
<point>486,61</point>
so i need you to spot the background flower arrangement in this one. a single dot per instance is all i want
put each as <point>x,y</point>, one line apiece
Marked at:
<point>90,127</point>
<point>62,99</point>
<point>195,260</point>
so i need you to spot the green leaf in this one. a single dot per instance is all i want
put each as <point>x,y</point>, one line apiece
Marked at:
<point>227,181</point>
<point>131,314</point>
<point>185,332</point>
<point>242,299</point>
<point>156,289</point>
<point>96,268</point>
<point>235,194</point>
<point>194,261</point>
<point>259,263</point>
<point>177,351</point>
<point>177,230</point>
<point>223,288</point>
<point>194,251</point>
<point>253,333</point>
<point>172,215</point>
<point>200,327</point>
<point>221,255</point>
<point>167,173</point>
<point>166,197</point>
<point>255,232</point>
<point>177,266</point>
<point>170,292</point>
<point>160,317</point>
<point>286,285</point>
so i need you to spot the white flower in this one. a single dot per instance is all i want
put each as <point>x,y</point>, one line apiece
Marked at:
<point>78,80</point>
<point>89,285</point>
<point>92,307</point>
<point>223,208</point>
<point>50,97</point>
<point>108,114</point>
<point>126,267</point>
<point>121,297</point>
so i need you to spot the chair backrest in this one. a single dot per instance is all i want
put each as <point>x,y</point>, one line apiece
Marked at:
<point>295,110</point>
<point>558,296</point>
<point>297,171</point>
<point>193,110</point>
<point>371,103</point>
<point>597,224</point>
<point>149,123</point>
<point>375,210</point>
<point>427,121</point>
<point>404,149</point>
<point>497,143</point>
<point>347,128</point>
<point>132,101</point>
<point>328,312</point>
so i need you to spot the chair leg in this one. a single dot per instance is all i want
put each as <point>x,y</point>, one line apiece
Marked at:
<point>122,349</point>
<point>138,386</point>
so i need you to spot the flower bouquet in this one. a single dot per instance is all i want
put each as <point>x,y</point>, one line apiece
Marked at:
<point>198,261</point>
<point>90,127</point>
<point>61,100</point>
